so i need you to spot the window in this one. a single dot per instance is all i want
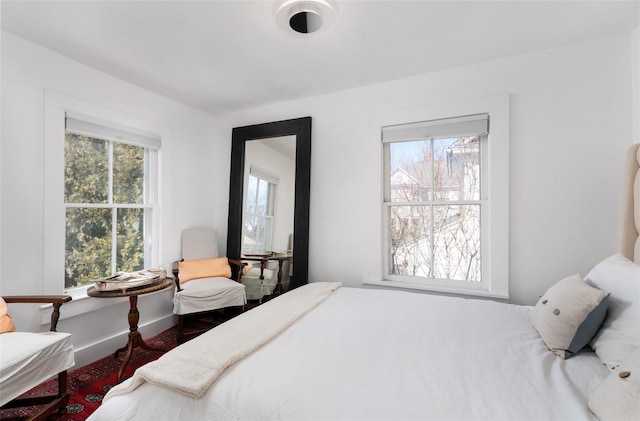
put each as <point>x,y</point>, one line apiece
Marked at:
<point>259,214</point>
<point>110,197</point>
<point>437,205</point>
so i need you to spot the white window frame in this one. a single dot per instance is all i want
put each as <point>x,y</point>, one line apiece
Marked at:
<point>151,148</point>
<point>430,203</point>
<point>57,106</point>
<point>495,223</point>
<point>273,181</point>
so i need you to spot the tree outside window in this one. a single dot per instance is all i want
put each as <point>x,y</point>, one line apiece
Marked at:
<point>108,208</point>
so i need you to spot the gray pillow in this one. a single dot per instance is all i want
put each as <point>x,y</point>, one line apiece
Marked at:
<point>569,314</point>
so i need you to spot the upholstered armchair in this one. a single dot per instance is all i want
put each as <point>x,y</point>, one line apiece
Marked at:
<point>204,281</point>
<point>28,359</point>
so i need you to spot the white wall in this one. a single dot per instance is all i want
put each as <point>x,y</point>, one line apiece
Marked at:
<point>571,120</point>
<point>189,160</point>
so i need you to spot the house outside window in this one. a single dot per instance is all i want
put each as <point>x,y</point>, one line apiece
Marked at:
<point>110,197</point>
<point>435,201</point>
<point>259,212</point>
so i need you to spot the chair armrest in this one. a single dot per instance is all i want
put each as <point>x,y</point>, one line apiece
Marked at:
<point>56,300</point>
<point>175,272</point>
<point>240,268</point>
<point>37,299</point>
<point>262,258</point>
<point>177,282</point>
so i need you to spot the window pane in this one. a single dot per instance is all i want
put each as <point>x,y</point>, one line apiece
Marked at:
<point>410,240</point>
<point>87,245</point>
<point>452,253</point>
<point>130,237</point>
<point>86,169</point>
<point>257,234</point>
<point>410,171</point>
<point>264,233</point>
<point>249,241</point>
<point>456,168</point>
<point>442,169</point>
<point>457,242</point>
<point>263,197</point>
<point>252,189</point>
<point>128,174</point>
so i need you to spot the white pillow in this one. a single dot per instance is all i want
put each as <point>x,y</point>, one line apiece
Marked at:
<point>618,397</point>
<point>619,335</point>
<point>569,314</point>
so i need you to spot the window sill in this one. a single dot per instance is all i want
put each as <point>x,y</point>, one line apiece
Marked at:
<point>80,304</point>
<point>431,288</point>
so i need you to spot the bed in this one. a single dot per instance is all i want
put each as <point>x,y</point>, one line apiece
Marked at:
<point>327,352</point>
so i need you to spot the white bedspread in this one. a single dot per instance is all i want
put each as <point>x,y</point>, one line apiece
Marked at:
<point>388,355</point>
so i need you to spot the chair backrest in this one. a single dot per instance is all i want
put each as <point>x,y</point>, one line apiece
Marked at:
<point>199,243</point>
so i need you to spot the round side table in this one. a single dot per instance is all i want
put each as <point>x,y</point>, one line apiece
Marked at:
<point>135,339</point>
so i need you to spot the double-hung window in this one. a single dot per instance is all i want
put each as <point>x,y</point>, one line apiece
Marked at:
<point>259,212</point>
<point>110,199</point>
<point>436,202</point>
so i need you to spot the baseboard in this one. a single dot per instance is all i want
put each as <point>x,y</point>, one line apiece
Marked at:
<point>97,350</point>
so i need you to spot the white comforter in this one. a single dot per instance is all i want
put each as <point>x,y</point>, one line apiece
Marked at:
<point>389,355</point>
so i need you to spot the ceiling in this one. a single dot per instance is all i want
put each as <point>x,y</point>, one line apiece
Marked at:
<point>221,56</point>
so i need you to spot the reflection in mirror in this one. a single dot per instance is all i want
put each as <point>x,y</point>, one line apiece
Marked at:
<point>269,204</point>
<point>269,180</point>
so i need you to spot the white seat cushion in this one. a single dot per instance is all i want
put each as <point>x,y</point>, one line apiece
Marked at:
<point>256,287</point>
<point>208,294</point>
<point>28,359</point>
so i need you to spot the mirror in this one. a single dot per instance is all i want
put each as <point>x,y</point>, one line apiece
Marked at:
<point>270,174</point>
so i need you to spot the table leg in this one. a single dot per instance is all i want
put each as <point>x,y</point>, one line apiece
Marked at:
<point>135,339</point>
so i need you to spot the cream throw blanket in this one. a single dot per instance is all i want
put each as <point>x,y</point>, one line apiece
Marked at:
<point>192,368</point>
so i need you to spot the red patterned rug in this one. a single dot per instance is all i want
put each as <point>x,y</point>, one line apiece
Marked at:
<point>88,385</point>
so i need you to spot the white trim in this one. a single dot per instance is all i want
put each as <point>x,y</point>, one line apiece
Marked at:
<point>443,290</point>
<point>495,263</point>
<point>56,107</point>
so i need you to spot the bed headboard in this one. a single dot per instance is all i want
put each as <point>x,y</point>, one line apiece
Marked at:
<point>630,240</point>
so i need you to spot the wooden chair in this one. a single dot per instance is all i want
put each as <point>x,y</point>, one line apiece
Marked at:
<point>28,359</point>
<point>259,281</point>
<point>200,296</point>
<point>262,281</point>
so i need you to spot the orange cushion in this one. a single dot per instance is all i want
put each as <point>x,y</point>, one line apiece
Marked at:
<point>204,268</point>
<point>6,322</point>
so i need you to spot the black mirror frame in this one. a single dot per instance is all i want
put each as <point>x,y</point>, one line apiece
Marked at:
<point>301,128</point>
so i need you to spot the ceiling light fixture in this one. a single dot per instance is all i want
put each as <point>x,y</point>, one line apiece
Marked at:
<point>305,17</point>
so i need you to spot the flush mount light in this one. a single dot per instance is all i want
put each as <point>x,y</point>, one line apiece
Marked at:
<point>305,17</point>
